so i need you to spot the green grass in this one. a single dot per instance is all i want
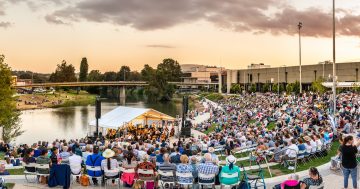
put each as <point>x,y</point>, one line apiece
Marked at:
<point>10,185</point>
<point>16,171</point>
<point>252,121</point>
<point>271,125</point>
<point>210,129</point>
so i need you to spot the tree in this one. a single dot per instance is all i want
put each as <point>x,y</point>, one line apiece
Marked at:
<point>253,88</point>
<point>110,76</point>
<point>123,74</point>
<point>9,116</point>
<point>95,75</point>
<point>159,89</point>
<point>317,86</point>
<point>170,69</point>
<point>63,73</point>
<point>147,73</point>
<point>84,68</point>
<point>235,88</point>
<point>135,76</point>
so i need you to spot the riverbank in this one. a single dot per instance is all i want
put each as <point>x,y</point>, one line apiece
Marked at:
<point>54,100</point>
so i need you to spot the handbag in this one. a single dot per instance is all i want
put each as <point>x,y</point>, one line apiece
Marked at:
<point>84,180</point>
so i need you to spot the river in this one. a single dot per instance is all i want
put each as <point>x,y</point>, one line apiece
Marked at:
<point>72,122</point>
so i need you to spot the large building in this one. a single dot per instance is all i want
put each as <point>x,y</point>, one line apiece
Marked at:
<point>346,72</point>
<point>194,73</point>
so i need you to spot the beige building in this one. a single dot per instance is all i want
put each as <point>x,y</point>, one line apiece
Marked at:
<point>194,73</point>
<point>346,72</point>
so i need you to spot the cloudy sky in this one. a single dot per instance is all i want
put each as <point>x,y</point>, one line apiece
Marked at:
<point>38,34</point>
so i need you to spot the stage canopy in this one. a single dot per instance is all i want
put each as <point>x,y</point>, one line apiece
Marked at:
<point>122,115</point>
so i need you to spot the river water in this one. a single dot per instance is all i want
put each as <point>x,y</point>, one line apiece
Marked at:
<point>72,122</point>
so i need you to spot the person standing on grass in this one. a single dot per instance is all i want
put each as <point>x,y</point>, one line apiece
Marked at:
<point>349,164</point>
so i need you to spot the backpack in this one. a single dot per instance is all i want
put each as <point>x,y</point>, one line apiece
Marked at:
<point>84,180</point>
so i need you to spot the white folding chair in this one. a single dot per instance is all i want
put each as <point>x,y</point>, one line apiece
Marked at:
<point>185,175</point>
<point>26,172</point>
<point>146,172</point>
<point>112,171</point>
<point>94,168</point>
<point>75,173</point>
<point>206,177</point>
<point>230,176</point>
<point>166,174</point>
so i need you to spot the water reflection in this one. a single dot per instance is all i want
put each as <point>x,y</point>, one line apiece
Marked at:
<point>72,122</point>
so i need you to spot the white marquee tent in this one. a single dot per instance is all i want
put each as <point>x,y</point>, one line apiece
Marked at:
<point>122,115</point>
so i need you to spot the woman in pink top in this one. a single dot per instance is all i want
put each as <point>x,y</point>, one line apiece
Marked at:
<point>293,180</point>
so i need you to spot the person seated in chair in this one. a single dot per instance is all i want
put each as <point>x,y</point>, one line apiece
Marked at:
<point>94,160</point>
<point>230,169</point>
<point>292,182</point>
<point>207,168</point>
<point>110,165</point>
<point>314,179</point>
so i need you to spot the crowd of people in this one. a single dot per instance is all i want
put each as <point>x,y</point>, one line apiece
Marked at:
<point>288,126</point>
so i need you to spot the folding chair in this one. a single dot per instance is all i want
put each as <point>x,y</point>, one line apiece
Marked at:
<point>94,168</point>
<point>146,172</point>
<point>42,167</point>
<point>185,175</point>
<point>256,178</point>
<point>166,174</point>
<point>116,177</point>
<point>206,177</point>
<point>230,176</point>
<point>75,174</point>
<point>30,166</point>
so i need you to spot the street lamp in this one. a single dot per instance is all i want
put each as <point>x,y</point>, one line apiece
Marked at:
<point>299,27</point>
<point>334,64</point>
<point>278,80</point>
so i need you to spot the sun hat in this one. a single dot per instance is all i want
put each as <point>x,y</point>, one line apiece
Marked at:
<point>108,153</point>
<point>230,159</point>
<point>307,138</point>
<point>211,150</point>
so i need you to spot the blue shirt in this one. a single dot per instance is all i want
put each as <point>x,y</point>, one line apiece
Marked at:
<point>94,160</point>
<point>159,158</point>
<point>207,168</point>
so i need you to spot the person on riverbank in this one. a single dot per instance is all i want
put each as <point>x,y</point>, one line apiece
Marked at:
<point>349,163</point>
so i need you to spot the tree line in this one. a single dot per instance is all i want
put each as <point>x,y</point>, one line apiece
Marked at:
<point>159,88</point>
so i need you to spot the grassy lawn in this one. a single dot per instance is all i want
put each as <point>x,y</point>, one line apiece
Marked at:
<point>210,129</point>
<point>16,171</point>
<point>252,121</point>
<point>10,185</point>
<point>271,125</point>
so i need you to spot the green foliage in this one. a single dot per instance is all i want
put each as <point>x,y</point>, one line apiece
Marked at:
<point>317,86</point>
<point>123,74</point>
<point>9,116</point>
<point>293,87</point>
<point>63,73</point>
<point>110,76</point>
<point>235,88</point>
<point>84,68</point>
<point>159,89</point>
<point>265,88</point>
<point>95,75</point>
<point>214,96</point>
<point>36,77</point>
<point>252,88</point>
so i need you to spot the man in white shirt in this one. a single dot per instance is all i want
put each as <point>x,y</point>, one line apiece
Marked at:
<point>75,162</point>
<point>291,152</point>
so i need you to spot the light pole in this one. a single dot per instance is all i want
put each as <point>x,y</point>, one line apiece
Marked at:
<point>334,64</point>
<point>299,27</point>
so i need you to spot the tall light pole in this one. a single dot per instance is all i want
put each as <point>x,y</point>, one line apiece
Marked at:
<point>334,62</point>
<point>299,27</point>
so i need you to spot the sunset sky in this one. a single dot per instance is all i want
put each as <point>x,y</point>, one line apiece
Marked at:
<point>37,35</point>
